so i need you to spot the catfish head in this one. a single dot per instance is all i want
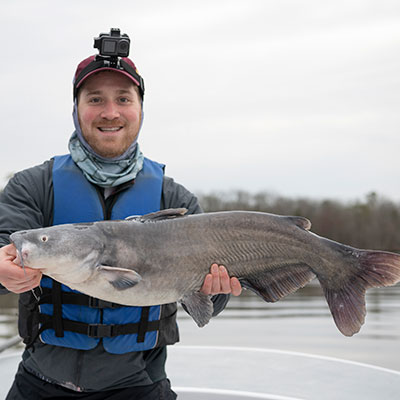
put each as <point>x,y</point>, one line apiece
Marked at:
<point>70,250</point>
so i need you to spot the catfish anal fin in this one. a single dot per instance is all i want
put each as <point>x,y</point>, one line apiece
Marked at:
<point>273,285</point>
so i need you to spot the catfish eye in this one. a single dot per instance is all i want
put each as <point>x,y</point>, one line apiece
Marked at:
<point>44,238</point>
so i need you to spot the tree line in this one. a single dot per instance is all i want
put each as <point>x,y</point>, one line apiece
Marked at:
<point>370,223</point>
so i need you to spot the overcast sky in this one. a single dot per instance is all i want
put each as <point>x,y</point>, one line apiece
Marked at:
<point>299,98</point>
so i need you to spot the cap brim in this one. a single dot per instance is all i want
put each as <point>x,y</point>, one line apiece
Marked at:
<point>108,69</point>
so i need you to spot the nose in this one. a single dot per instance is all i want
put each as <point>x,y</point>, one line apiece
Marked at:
<point>110,111</point>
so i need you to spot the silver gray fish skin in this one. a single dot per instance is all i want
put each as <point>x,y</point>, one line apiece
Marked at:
<point>164,257</point>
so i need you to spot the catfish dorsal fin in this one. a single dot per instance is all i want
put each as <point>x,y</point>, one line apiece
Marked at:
<point>301,222</point>
<point>160,215</point>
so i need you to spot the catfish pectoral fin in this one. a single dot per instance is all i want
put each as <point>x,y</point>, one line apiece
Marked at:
<point>347,301</point>
<point>120,278</point>
<point>199,306</point>
<point>273,285</point>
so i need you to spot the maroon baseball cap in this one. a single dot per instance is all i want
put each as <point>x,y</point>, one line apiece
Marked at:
<point>93,64</point>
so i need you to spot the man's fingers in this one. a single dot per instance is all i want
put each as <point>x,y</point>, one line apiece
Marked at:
<point>216,283</point>
<point>21,287</point>
<point>236,287</point>
<point>207,284</point>
<point>12,276</point>
<point>24,274</point>
<point>19,281</point>
<point>10,251</point>
<point>26,279</point>
<point>225,281</point>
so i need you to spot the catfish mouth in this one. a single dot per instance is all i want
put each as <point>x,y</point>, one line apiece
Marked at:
<point>19,260</point>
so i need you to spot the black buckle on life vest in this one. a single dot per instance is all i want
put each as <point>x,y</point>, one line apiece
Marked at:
<point>100,330</point>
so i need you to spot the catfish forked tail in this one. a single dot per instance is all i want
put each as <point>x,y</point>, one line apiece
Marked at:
<point>347,303</point>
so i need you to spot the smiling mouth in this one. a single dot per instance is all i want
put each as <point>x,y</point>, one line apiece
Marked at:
<point>110,129</point>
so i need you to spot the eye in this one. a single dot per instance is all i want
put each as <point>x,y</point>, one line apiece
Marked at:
<point>44,238</point>
<point>95,100</point>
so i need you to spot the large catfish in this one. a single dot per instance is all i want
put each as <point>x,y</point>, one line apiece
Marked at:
<point>164,256</point>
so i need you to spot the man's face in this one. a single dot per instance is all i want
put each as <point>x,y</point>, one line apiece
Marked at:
<point>109,113</point>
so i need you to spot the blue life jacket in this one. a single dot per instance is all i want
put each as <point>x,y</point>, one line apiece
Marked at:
<point>72,319</point>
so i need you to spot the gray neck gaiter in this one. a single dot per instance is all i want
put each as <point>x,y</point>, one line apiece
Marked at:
<point>104,172</point>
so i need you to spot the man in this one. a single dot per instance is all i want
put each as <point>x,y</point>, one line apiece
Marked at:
<point>77,346</point>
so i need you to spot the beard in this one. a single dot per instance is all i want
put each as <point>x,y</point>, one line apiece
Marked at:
<point>109,143</point>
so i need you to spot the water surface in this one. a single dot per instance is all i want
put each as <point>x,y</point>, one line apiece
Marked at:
<point>301,322</point>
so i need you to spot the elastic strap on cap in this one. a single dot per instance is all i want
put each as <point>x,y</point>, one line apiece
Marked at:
<point>87,70</point>
<point>132,72</point>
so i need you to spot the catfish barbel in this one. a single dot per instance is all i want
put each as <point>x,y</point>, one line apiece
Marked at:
<point>164,257</point>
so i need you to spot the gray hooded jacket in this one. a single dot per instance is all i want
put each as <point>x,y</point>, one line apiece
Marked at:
<point>27,203</point>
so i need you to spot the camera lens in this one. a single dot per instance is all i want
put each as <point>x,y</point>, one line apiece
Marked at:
<point>123,48</point>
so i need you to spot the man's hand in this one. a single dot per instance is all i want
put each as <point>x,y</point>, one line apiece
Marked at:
<point>13,277</point>
<point>218,281</point>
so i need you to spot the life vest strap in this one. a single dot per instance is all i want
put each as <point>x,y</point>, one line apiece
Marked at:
<point>107,330</point>
<point>57,309</point>
<point>79,299</point>
<point>144,324</point>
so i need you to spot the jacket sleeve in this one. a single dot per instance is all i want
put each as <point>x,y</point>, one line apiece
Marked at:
<point>176,196</point>
<point>26,202</point>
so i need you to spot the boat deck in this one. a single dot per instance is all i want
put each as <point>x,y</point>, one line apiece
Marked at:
<point>240,373</point>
